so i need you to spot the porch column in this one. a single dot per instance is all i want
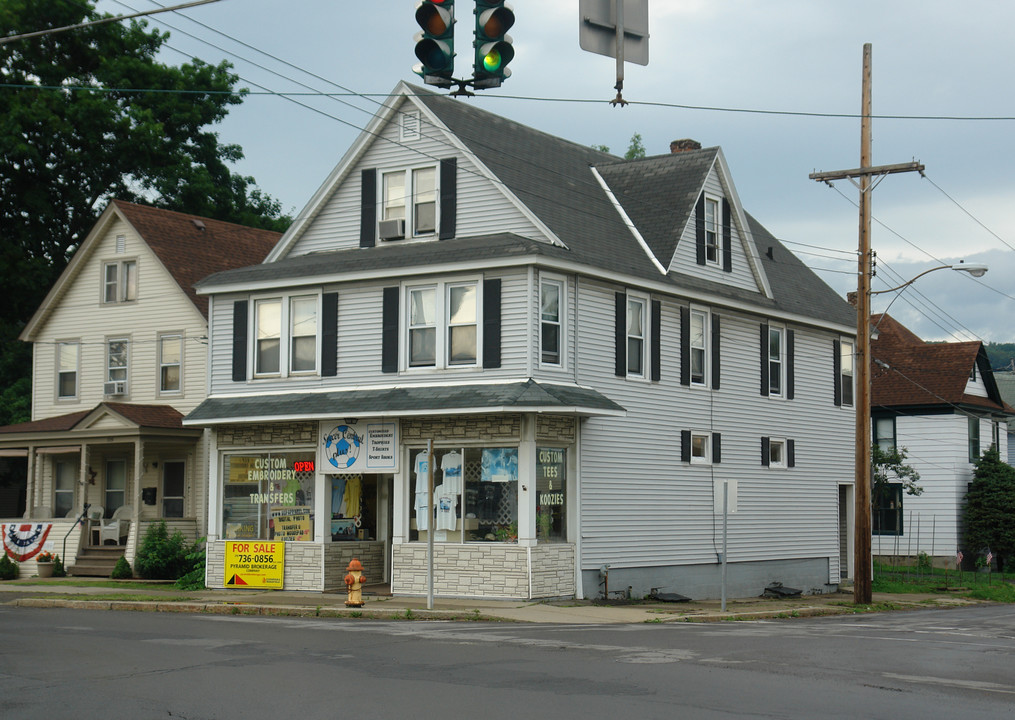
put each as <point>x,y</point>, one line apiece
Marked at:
<point>214,486</point>
<point>136,502</point>
<point>32,482</point>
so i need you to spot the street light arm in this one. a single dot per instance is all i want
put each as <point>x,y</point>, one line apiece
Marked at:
<point>974,269</point>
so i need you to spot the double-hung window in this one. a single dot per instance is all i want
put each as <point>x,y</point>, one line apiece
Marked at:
<point>846,370</point>
<point>551,295</point>
<point>411,195</point>
<point>67,369</point>
<point>637,324</point>
<point>119,281</point>
<point>289,322</point>
<point>974,438</point>
<point>699,346</point>
<point>442,324</point>
<point>170,363</point>
<point>712,231</point>
<point>884,433</point>
<point>775,360</point>
<point>117,364</point>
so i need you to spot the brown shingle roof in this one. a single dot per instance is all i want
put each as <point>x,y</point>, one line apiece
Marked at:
<point>161,417</point>
<point>193,247</point>
<point>921,373</point>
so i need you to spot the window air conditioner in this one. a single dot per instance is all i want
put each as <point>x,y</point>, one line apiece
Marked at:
<point>391,229</point>
<point>115,388</point>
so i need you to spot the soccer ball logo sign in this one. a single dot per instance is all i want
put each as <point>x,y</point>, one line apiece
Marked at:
<point>341,446</point>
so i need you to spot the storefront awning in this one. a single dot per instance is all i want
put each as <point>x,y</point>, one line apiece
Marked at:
<point>61,450</point>
<point>15,452</point>
<point>518,397</point>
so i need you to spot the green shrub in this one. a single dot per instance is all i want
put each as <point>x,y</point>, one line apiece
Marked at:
<point>58,569</point>
<point>161,556</point>
<point>8,569</point>
<point>194,579</point>
<point>122,570</point>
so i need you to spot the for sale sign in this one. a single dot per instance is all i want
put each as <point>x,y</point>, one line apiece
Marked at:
<point>255,563</point>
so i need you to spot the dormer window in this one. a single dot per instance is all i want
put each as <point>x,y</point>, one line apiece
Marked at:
<point>712,231</point>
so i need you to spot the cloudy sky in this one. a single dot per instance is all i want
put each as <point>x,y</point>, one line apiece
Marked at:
<point>776,83</point>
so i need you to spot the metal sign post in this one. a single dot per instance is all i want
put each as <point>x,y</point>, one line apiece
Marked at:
<point>430,521</point>
<point>618,29</point>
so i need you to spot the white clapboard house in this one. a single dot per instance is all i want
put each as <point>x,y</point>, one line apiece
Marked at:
<point>595,348</point>
<point>120,352</point>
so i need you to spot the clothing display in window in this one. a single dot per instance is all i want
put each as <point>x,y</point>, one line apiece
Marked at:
<point>451,464</point>
<point>422,499</point>
<point>446,503</point>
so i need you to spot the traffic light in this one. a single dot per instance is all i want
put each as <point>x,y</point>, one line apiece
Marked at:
<point>435,43</point>
<point>493,45</point>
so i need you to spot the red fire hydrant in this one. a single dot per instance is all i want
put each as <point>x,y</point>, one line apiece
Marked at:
<point>354,581</point>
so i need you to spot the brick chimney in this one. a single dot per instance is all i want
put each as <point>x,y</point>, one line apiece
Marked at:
<point>685,145</point>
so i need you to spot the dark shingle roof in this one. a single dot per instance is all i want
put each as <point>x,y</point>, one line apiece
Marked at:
<point>156,417</point>
<point>658,194</point>
<point>552,177</point>
<point>518,396</point>
<point>191,247</point>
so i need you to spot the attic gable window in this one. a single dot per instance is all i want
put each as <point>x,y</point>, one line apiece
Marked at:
<point>711,231</point>
<point>409,196</point>
<point>119,281</point>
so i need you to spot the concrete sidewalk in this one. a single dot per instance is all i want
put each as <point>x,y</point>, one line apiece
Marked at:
<point>63,592</point>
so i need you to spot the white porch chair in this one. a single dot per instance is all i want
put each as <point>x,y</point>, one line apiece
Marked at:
<point>117,526</point>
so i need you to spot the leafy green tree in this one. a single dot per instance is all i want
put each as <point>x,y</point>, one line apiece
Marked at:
<point>989,515</point>
<point>635,149</point>
<point>88,115</point>
<point>890,467</point>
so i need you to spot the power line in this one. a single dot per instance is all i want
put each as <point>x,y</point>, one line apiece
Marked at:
<point>963,209</point>
<point>102,21</point>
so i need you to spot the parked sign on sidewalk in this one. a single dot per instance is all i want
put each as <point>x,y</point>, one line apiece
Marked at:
<point>255,563</point>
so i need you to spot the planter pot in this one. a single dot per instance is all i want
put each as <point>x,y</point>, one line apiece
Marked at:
<point>45,569</point>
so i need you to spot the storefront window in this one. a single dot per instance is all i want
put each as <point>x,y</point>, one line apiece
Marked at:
<point>551,494</point>
<point>476,490</point>
<point>268,496</point>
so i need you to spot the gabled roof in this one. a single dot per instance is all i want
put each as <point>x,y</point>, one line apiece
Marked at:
<point>553,181</point>
<point>154,417</point>
<point>188,246</point>
<point>191,247</point>
<point>927,374</point>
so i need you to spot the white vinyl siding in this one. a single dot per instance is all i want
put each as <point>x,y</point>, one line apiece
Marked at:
<point>481,202</point>
<point>782,513</point>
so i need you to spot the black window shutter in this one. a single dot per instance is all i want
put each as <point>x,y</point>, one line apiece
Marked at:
<point>657,324</point>
<point>837,372</point>
<point>790,373</point>
<point>716,360</point>
<point>716,447</point>
<point>239,341</point>
<point>699,230</point>
<point>620,315</point>
<point>368,208</point>
<point>491,323</point>
<point>727,237</point>
<point>685,346</point>
<point>790,453</point>
<point>389,331</point>
<point>766,454</point>
<point>449,197</point>
<point>764,359</point>
<point>685,446</point>
<point>329,335</point>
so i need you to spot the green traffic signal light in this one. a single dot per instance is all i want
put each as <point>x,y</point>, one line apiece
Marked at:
<point>435,44</point>
<point>493,45</point>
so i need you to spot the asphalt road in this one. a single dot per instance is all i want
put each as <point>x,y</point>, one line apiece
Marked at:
<point>64,663</point>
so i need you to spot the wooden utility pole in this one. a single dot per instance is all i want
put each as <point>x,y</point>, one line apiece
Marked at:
<point>862,593</point>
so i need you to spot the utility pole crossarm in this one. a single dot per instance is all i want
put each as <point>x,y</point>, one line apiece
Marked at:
<point>867,171</point>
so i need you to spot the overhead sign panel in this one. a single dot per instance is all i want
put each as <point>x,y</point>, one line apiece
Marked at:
<point>598,28</point>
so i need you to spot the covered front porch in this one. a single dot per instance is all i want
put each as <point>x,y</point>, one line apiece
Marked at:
<point>95,480</point>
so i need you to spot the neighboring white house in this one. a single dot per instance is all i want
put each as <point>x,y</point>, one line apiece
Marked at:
<point>595,347</point>
<point>1006,386</point>
<point>119,356</point>
<point>939,402</point>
